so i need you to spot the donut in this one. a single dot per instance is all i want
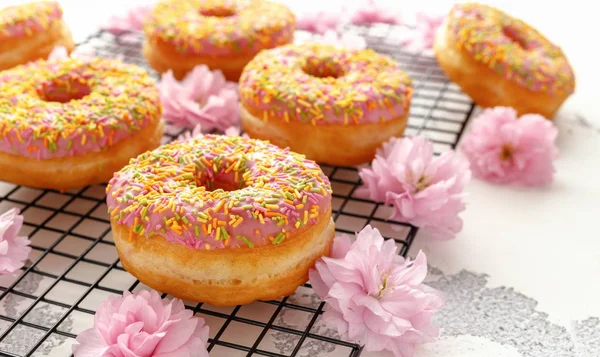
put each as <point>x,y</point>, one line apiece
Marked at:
<point>501,61</point>
<point>73,122</point>
<point>336,106</point>
<point>31,31</point>
<point>221,219</point>
<point>222,34</point>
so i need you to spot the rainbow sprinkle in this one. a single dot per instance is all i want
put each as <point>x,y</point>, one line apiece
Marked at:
<point>511,48</point>
<point>27,19</point>
<point>111,102</point>
<point>322,84</point>
<point>219,192</point>
<point>220,27</point>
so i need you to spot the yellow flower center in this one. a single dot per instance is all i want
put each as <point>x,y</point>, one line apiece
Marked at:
<point>421,184</point>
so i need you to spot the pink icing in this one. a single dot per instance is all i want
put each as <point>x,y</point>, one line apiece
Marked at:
<point>255,192</point>
<point>24,20</point>
<point>199,28</point>
<point>322,84</point>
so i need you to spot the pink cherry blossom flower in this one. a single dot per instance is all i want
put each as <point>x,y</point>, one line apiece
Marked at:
<point>346,40</point>
<point>132,20</point>
<point>374,296</point>
<point>369,12</point>
<point>143,325</point>
<point>191,134</point>
<point>14,249</point>
<point>422,36</point>
<point>425,190</point>
<point>197,133</point>
<point>503,148</point>
<point>318,21</point>
<point>203,97</point>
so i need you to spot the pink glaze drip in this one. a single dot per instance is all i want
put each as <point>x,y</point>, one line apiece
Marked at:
<point>179,191</point>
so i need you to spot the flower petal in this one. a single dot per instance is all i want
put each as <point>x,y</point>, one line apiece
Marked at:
<point>177,336</point>
<point>143,344</point>
<point>132,20</point>
<point>58,53</point>
<point>343,271</point>
<point>123,345</point>
<point>317,279</point>
<point>89,344</point>
<point>341,246</point>
<point>335,318</point>
<point>372,304</point>
<point>14,249</point>
<point>422,36</point>
<point>317,22</point>
<point>370,12</point>
<point>414,274</point>
<point>3,247</point>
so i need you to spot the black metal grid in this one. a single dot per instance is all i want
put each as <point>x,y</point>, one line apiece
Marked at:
<point>73,265</point>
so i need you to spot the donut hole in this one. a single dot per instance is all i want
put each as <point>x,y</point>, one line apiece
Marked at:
<point>225,182</point>
<point>516,37</point>
<point>64,90</point>
<point>326,67</point>
<point>218,11</point>
<point>225,186</point>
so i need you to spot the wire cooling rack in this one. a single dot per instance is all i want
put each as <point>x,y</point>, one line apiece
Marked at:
<point>74,265</point>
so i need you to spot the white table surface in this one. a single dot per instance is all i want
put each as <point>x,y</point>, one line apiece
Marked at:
<point>526,245</point>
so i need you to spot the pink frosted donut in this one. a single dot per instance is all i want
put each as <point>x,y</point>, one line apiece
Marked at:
<point>499,60</point>
<point>221,219</point>
<point>334,105</point>
<point>73,122</point>
<point>31,31</point>
<point>222,34</point>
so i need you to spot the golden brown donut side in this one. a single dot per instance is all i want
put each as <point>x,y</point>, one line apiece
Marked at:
<point>224,277</point>
<point>22,50</point>
<point>79,171</point>
<point>163,57</point>
<point>333,144</point>
<point>486,87</point>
